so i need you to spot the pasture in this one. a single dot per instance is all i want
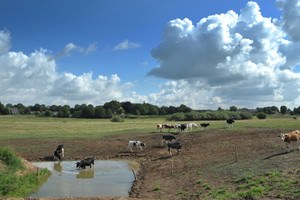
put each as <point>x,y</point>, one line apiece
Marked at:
<point>246,161</point>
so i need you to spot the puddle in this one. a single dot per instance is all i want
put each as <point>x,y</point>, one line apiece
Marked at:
<point>106,178</point>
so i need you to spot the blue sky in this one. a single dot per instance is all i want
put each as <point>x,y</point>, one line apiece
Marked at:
<point>204,54</point>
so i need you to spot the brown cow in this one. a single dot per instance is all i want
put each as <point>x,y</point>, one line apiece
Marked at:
<point>293,136</point>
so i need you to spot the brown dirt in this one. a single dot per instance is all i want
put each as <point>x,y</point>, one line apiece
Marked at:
<point>211,157</point>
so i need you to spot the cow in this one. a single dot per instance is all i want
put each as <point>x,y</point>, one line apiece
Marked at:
<point>190,126</point>
<point>168,138</point>
<point>168,126</point>
<point>159,127</point>
<point>204,125</point>
<point>59,153</point>
<point>230,122</point>
<point>293,136</point>
<point>174,145</point>
<point>85,162</point>
<point>133,144</point>
<point>182,127</point>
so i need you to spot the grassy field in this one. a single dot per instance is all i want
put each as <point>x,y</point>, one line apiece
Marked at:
<point>42,127</point>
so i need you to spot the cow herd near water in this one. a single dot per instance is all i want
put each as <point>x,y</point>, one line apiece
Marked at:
<point>170,141</point>
<point>133,145</point>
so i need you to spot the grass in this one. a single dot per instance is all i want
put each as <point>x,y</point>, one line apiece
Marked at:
<point>13,127</point>
<point>274,184</point>
<point>12,183</point>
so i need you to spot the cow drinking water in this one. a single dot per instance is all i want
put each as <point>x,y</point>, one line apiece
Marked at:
<point>85,162</point>
<point>59,153</point>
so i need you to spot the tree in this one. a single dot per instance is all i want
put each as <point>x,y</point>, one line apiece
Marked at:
<point>283,109</point>
<point>233,108</point>
<point>183,108</point>
<point>100,112</point>
<point>113,105</point>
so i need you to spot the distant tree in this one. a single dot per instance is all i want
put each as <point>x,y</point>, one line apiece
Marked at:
<point>283,109</point>
<point>163,110</point>
<point>113,105</point>
<point>64,111</point>
<point>128,107</point>
<point>183,108</point>
<point>296,111</point>
<point>233,108</point>
<point>153,110</point>
<point>171,110</point>
<point>3,109</point>
<point>100,112</point>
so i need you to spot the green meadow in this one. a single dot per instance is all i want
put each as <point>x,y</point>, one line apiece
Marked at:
<point>12,127</point>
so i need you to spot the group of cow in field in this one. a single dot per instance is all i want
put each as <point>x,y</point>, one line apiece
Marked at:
<point>171,142</point>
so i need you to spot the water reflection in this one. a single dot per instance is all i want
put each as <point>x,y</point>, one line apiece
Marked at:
<point>105,178</point>
<point>57,166</point>
<point>86,173</point>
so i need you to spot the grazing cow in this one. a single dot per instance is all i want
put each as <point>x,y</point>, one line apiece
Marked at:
<point>168,138</point>
<point>174,145</point>
<point>230,122</point>
<point>159,127</point>
<point>182,127</point>
<point>190,126</point>
<point>293,136</point>
<point>204,125</point>
<point>85,162</point>
<point>59,153</point>
<point>132,144</point>
<point>168,126</point>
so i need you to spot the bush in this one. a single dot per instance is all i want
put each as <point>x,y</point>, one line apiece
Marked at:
<point>10,159</point>
<point>117,118</point>
<point>261,115</point>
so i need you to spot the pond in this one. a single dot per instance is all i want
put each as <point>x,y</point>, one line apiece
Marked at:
<point>106,178</point>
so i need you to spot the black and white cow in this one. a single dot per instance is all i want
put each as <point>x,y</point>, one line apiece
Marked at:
<point>59,153</point>
<point>204,125</point>
<point>85,162</point>
<point>230,122</point>
<point>174,145</point>
<point>168,138</point>
<point>133,144</point>
<point>182,127</point>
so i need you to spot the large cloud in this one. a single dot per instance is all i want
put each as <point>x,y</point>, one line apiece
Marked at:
<point>33,78</point>
<point>245,59</point>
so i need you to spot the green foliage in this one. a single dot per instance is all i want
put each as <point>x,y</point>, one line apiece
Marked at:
<point>209,115</point>
<point>261,115</point>
<point>13,184</point>
<point>117,118</point>
<point>10,159</point>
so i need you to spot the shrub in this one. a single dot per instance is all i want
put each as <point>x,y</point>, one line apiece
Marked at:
<point>261,115</point>
<point>10,159</point>
<point>117,118</point>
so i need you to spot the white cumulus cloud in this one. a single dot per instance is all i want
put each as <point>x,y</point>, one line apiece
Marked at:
<point>242,59</point>
<point>33,78</point>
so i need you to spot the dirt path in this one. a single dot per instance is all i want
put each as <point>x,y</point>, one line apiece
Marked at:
<point>212,157</point>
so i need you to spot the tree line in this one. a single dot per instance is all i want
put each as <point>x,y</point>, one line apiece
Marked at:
<point>128,109</point>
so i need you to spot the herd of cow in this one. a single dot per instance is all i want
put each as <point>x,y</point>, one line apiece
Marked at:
<point>171,143</point>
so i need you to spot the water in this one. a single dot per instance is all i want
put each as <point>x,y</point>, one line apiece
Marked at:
<point>105,178</point>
